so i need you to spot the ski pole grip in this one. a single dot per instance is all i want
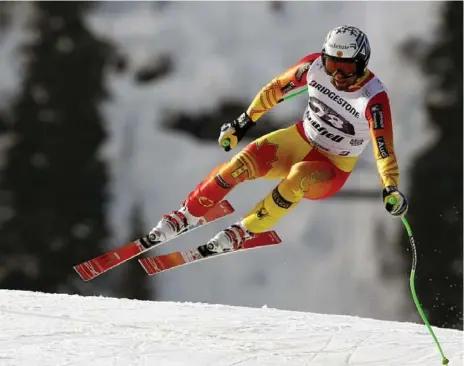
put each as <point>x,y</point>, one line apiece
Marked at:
<point>225,143</point>
<point>392,200</point>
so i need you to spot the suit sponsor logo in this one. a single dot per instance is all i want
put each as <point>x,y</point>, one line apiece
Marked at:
<point>221,182</point>
<point>279,200</point>
<point>288,87</point>
<point>205,201</point>
<point>336,98</point>
<point>382,147</point>
<point>377,116</point>
<point>243,120</point>
<point>356,142</point>
<point>323,131</point>
<point>301,70</point>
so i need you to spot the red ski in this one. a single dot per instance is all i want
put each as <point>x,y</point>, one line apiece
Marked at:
<point>96,266</point>
<point>161,263</point>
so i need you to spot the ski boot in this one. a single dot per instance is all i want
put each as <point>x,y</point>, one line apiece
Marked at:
<point>172,225</point>
<point>231,238</point>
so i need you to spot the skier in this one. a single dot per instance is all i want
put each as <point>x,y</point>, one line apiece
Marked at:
<point>348,106</point>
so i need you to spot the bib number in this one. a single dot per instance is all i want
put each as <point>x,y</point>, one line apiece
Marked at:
<point>329,116</point>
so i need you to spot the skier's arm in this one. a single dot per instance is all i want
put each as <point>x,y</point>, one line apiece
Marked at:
<point>294,77</point>
<point>378,114</point>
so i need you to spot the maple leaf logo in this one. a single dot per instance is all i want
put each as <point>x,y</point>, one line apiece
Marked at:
<point>266,154</point>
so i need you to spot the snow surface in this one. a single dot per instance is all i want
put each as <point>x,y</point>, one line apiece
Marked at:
<point>62,330</point>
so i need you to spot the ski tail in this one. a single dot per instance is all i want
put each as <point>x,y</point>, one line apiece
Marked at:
<point>95,267</point>
<point>165,262</point>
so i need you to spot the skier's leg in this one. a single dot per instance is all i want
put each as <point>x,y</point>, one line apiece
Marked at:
<point>271,155</point>
<point>317,177</point>
<point>307,179</point>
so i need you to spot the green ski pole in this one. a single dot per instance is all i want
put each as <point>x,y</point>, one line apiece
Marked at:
<point>293,95</point>
<point>412,242</point>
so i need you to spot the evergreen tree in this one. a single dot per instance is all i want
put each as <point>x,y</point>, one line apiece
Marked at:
<point>54,181</point>
<point>437,180</point>
<point>135,283</point>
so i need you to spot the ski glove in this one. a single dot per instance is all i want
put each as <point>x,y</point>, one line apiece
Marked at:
<point>232,133</point>
<point>395,201</point>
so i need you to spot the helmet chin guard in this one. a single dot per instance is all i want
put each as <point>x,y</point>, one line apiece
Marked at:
<point>348,43</point>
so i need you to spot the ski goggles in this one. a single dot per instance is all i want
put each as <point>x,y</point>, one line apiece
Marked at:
<point>347,68</point>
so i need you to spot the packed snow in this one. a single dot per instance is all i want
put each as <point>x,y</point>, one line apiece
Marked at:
<point>38,329</point>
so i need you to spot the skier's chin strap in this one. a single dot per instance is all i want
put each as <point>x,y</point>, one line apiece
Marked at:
<point>360,80</point>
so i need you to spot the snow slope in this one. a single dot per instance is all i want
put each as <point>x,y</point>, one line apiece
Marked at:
<point>50,329</point>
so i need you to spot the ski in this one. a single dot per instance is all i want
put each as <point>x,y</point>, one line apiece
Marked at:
<point>94,267</point>
<point>162,263</point>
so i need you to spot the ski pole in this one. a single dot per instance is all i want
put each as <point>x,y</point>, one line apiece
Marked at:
<point>412,242</point>
<point>226,142</point>
<point>293,95</point>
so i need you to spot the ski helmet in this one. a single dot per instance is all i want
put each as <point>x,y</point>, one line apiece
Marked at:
<point>347,43</point>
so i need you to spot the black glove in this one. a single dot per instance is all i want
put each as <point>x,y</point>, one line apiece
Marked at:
<point>232,133</point>
<point>395,201</point>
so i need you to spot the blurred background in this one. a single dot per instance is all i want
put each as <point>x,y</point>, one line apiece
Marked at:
<point>109,114</point>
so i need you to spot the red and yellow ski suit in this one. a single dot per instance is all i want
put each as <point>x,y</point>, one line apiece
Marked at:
<point>304,170</point>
